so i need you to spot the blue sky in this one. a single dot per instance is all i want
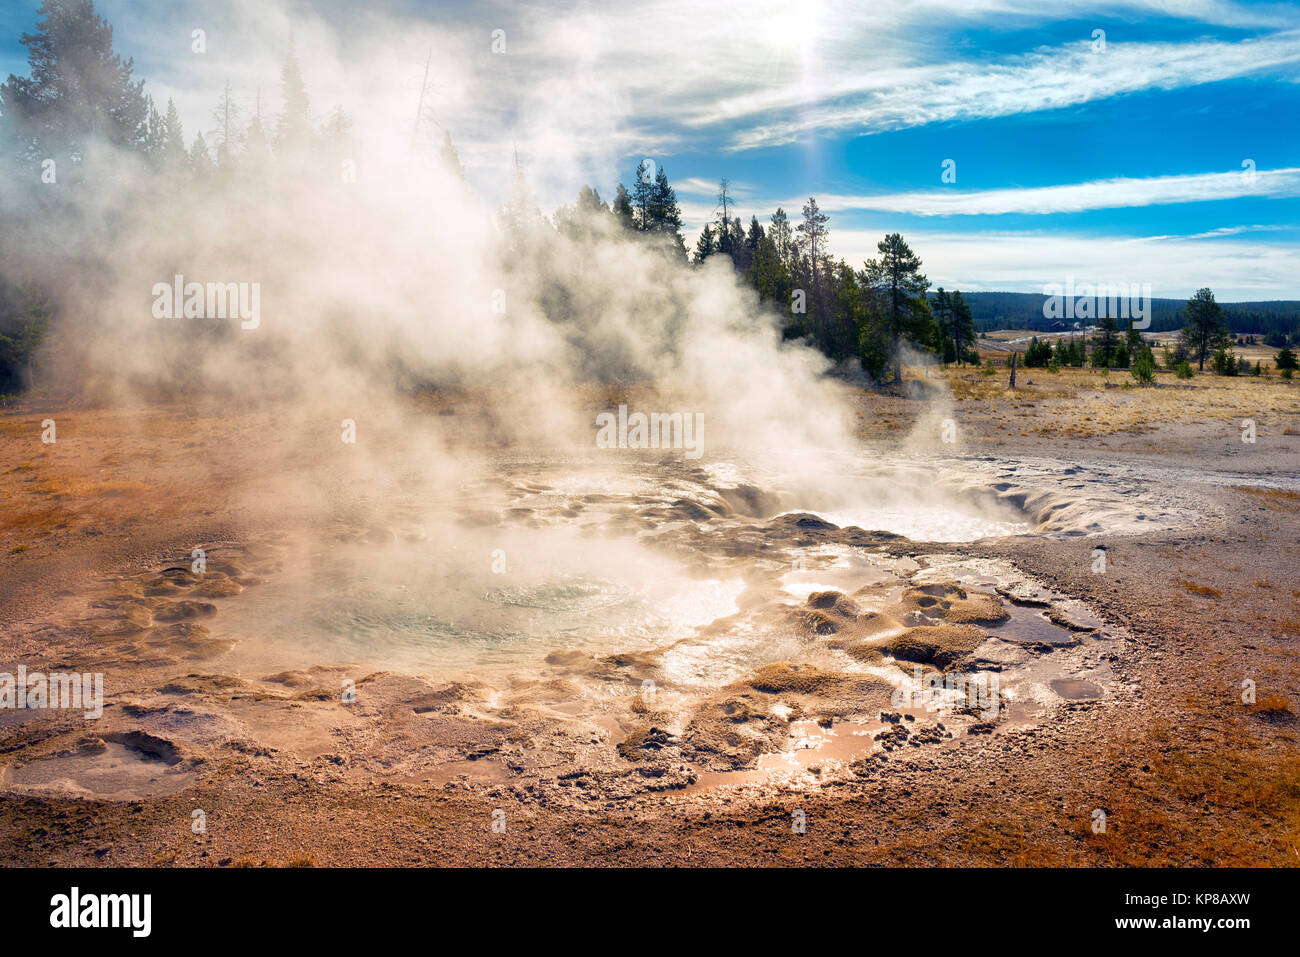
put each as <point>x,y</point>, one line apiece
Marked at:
<point>1106,161</point>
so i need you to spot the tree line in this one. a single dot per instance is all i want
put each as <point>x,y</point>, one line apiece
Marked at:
<point>81,92</point>
<point>1278,322</point>
<point>1204,337</point>
<point>872,315</point>
<point>83,121</point>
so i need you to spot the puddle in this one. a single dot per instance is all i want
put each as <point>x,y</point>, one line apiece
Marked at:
<point>104,770</point>
<point>1076,689</point>
<point>1029,626</point>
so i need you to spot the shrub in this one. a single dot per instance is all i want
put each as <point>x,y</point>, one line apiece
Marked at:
<point>1144,368</point>
<point>1184,370</point>
<point>1224,362</point>
<point>25,314</point>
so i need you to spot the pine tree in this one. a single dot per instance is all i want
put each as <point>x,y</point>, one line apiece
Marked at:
<point>589,201</point>
<point>293,127</point>
<point>812,238</point>
<point>623,208</point>
<point>666,216</point>
<point>943,317</point>
<point>79,89</point>
<point>174,154</point>
<point>450,158</point>
<point>896,277</point>
<point>963,326</point>
<point>226,116</point>
<point>257,148</point>
<point>766,273</point>
<point>706,245</point>
<point>1104,344</point>
<point>336,132</point>
<point>782,238</point>
<point>724,217</point>
<point>736,244</point>
<point>519,216</point>
<point>1204,331</point>
<point>813,233</point>
<point>155,135</point>
<point>200,158</point>
<point>585,214</point>
<point>1133,339</point>
<point>643,188</point>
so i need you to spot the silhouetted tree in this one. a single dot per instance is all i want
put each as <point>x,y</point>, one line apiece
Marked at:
<point>623,207</point>
<point>293,127</point>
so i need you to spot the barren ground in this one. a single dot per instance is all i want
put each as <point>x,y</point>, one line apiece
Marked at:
<point>1185,772</point>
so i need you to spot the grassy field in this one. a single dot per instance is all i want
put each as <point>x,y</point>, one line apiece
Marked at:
<point>1085,403</point>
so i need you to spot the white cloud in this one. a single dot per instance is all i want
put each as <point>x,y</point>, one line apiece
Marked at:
<point>1024,262</point>
<point>1045,79</point>
<point>1075,197</point>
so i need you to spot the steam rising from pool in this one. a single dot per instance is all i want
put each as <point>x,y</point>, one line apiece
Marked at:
<point>688,565</point>
<point>564,555</point>
<point>482,605</point>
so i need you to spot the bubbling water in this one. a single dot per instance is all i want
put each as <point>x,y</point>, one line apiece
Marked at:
<point>954,522</point>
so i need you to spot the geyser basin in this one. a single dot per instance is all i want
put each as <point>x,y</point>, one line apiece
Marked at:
<point>556,557</point>
<point>585,558</point>
<point>657,609</point>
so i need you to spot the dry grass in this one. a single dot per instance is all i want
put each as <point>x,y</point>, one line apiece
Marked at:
<point>1186,801</point>
<point>1273,497</point>
<point>1196,589</point>
<point>1083,403</point>
<point>1273,706</point>
<point>36,519</point>
<point>1165,805</point>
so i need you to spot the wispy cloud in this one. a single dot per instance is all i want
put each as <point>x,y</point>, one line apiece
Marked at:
<point>1025,261</point>
<point>1045,79</point>
<point>1076,197</point>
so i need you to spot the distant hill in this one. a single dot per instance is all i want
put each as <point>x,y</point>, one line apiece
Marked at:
<point>1024,310</point>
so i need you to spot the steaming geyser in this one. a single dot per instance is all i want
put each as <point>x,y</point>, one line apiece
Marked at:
<point>712,604</point>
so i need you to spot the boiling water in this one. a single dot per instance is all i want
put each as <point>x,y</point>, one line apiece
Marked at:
<point>931,523</point>
<point>558,558</point>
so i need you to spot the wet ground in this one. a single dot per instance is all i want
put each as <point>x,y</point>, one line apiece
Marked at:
<point>734,625</point>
